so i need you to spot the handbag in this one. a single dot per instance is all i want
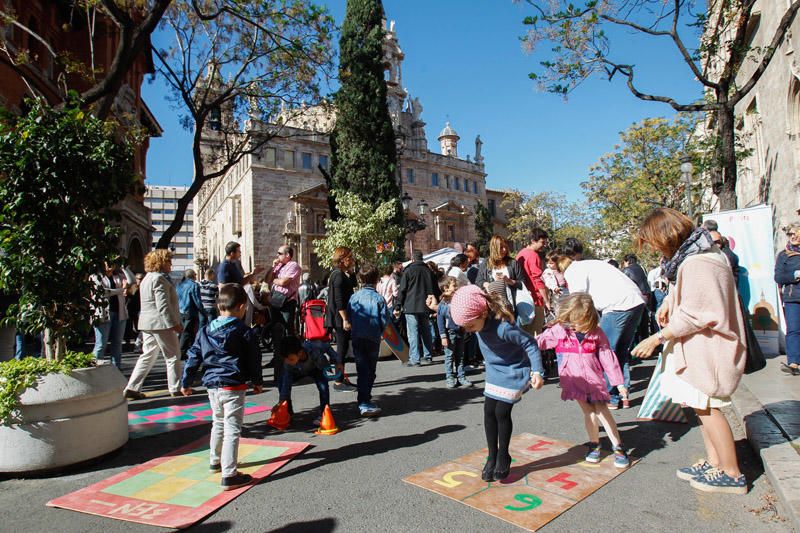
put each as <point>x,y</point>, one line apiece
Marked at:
<point>277,299</point>
<point>754,358</point>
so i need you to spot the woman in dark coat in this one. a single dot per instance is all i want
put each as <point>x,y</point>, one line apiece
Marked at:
<point>340,289</point>
<point>787,275</point>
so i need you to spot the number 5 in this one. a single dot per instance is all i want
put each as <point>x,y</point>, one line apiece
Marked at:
<point>448,481</point>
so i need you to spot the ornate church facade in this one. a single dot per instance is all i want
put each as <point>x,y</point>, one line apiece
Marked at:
<point>278,196</point>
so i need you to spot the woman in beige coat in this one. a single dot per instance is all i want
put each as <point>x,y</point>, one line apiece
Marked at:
<point>703,334</point>
<point>160,324</point>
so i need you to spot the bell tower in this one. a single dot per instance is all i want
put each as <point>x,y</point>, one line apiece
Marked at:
<point>448,141</point>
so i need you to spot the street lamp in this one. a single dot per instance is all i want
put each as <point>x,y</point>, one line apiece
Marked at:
<point>686,178</point>
<point>406,200</point>
<point>422,206</point>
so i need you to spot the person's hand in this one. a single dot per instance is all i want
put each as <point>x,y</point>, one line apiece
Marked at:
<point>646,348</point>
<point>509,281</point>
<point>557,290</point>
<point>622,391</point>
<point>186,391</point>
<point>178,329</point>
<point>346,325</point>
<point>258,389</point>
<point>275,262</point>
<point>396,313</point>
<point>536,381</point>
<point>444,342</point>
<point>662,316</point>
<point>431,302</point>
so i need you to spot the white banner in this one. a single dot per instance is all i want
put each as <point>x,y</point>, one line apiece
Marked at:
<point>750,234</point>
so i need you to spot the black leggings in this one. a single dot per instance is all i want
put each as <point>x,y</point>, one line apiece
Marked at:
<point>498,426</point>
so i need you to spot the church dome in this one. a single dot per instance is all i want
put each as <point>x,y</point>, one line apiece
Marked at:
<point>448,131</point>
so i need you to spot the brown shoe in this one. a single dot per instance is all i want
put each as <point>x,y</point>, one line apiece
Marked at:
<point>626,403</point>
<point>131,394</point>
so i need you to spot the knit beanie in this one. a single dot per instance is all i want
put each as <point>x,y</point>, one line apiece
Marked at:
<point>468,303</point>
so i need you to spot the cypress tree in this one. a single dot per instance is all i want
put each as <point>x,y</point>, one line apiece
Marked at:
<point>363,153</point>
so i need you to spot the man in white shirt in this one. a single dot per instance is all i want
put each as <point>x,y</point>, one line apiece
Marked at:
<point>620,304</point>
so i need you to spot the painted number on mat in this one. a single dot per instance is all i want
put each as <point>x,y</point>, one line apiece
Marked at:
<point>563,479</point>
<point>142,510</point>
<point>448,480</point>
<point>529,502</point>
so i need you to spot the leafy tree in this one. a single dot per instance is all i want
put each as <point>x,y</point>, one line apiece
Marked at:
<point>367,230</point>
<point>579,35</point>
<point>484,228</point>
<point>550,211</point>
<point>232,67</point>
<point>134,21</point>
<point>363,152</point>
<point>643,172</point>
<point>61,170</point>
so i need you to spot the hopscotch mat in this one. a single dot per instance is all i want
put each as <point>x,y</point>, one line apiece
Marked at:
<point>547,478</point>
<point>162,419</point>
<point>177,490</point>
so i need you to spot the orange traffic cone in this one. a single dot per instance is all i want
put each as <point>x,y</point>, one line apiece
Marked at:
<point>327,425</point>
<point>280,418</point>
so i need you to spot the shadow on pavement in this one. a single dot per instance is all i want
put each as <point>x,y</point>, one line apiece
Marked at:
<point>366,449</point>
<point>213,527</point>
<point>323,525</point>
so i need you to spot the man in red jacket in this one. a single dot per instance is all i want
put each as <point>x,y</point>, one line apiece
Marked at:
<point>531,263</point>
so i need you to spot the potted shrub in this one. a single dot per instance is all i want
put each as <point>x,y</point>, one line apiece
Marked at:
<point>61,171</point>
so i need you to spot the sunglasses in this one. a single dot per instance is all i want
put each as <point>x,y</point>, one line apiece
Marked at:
<point>791,234</point>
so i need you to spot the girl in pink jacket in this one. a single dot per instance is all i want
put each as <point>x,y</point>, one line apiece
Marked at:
<point>584,356</point>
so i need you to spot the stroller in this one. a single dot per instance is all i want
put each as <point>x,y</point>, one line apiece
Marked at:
<point>312,321</point>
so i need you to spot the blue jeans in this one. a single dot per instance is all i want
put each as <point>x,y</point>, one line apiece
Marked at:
<point>290,374</point>
<point>454,356</point>
<point>366,353</point>
<point>418,325</point>
<point>792,312</point>
<point>27,346</point>
<point>620,328</point>
<point>109,334</point>
<point>210,315</point>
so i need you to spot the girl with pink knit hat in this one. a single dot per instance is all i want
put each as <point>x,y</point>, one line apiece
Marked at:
<point>513,365</point>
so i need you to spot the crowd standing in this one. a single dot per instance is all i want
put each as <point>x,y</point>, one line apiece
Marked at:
<point>589,315</point>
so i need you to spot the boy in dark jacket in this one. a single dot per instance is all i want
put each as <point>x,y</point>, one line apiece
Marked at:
<point>306,359</point>
<point>229,352</point>
<point>452,335</point>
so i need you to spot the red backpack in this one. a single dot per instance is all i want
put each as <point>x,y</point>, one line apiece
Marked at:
<point>312,319</point>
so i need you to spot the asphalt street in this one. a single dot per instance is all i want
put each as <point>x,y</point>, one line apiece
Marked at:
<point>352,482</point>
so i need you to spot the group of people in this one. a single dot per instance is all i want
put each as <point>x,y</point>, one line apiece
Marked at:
<point>586,310</point>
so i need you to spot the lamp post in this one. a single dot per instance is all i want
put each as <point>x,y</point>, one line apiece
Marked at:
<point>686,178</point>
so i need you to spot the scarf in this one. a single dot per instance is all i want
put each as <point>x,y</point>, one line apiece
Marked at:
<point>792,249</point>
<point>698,242</point>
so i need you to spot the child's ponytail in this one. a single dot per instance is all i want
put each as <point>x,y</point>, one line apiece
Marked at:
<point>498,308</point>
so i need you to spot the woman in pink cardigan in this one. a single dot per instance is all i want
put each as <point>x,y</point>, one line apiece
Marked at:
<point>702,330</point>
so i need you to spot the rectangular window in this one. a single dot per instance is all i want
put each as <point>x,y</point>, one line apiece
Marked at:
<point>447,181</point>
<point>323,161</point>
<point>434,179</point>
<point>492,207</point>
<point>409,175</point>
<point>320,223</point>
<point>455,183</point>
<point>288,159</point>
<point>236,217</point>
<point>466,185</point>
<point>269,157</point>
<point>306,161</point>
<point>475,187</point>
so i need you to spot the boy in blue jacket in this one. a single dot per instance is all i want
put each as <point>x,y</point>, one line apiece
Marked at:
<point>229,352</point>
<point>368,315</point>
<point>452,335</point>
<point>306,359</point>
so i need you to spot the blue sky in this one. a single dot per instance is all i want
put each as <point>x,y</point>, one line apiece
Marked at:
<point>465,64</point>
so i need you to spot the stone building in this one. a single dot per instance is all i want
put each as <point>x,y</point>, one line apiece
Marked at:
<point>279,195</point>
<point>162,201</point>
<point>66,32</point>
<point>768,120</point>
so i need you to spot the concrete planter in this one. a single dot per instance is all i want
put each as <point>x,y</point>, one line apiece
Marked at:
<point>66,419</point>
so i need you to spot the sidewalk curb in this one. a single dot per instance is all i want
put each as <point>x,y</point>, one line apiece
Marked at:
<point>780,458</point>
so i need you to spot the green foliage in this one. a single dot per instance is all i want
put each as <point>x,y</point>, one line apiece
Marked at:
<point>484,228</point>
<point>362,228</point>
<point>18,375</point>
<point>550,211</point>
<point>60,173</point>
<point>643,172</point>
<point>363,151</point>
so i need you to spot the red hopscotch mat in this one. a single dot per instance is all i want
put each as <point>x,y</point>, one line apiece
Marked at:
<point>177,490</point>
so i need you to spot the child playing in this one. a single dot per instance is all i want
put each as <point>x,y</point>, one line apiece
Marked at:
<point>584,355</point>
<point>513,365</point>
<point>452,336</point>
<point>368,318</point>
<point>228,351</point>
<point>306,359</point>
<point>553,279</point>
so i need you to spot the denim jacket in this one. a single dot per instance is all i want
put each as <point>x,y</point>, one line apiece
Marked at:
<point>368,314</point>
<point>189,299</point>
